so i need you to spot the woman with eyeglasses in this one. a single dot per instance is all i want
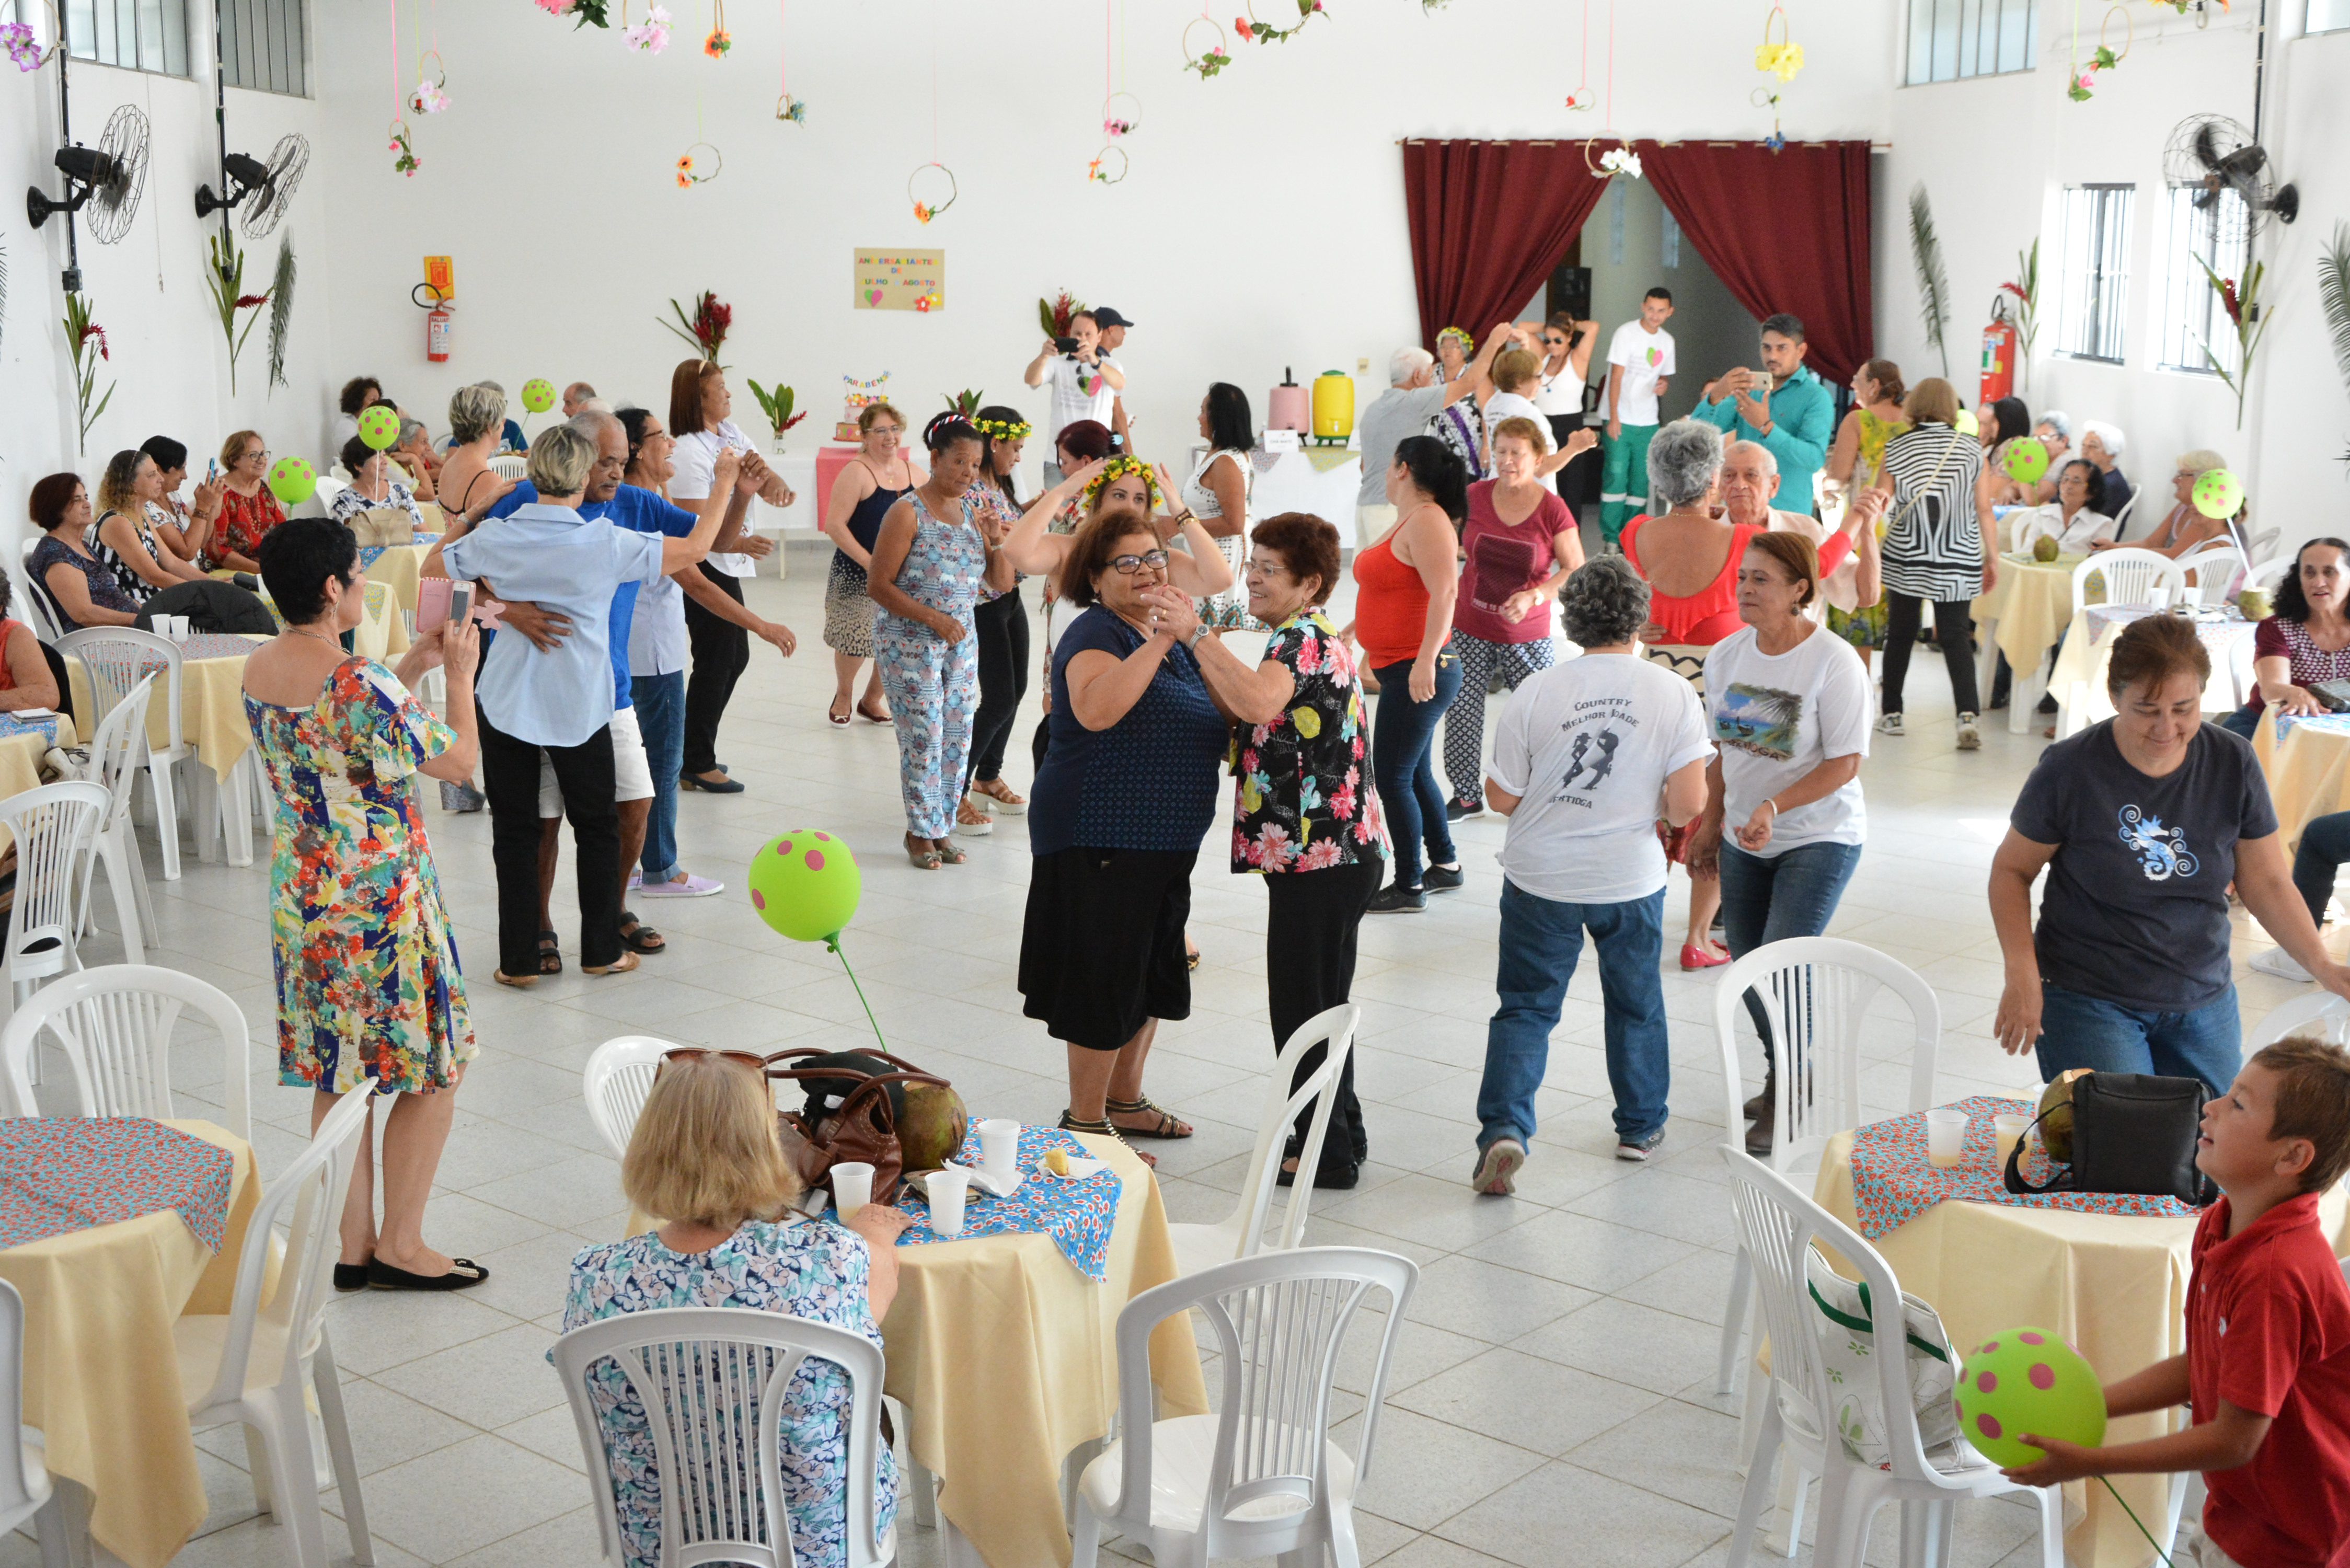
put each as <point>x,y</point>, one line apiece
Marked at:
<point>1126,792</point>
<point>248,510</point>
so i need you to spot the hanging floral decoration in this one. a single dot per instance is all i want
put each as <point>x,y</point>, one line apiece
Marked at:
<point>790,109</point>
<point>1202,55</point>
<point>698,169</point>
<point>787,107</point>
<point>1784,58</point>
<point>1121,119</point>
<point>720,40</point>
<point>583,12</point>
<point>2081,85</point>
<point>1102,171</point>
<point>1614,161</point>
<point>925,210</point>
<point>406,162</point>
<point>429,98</point>
<point>1254,31</point>
<point>707,327</point>
<point>23,50</point>
<point>650,37</point>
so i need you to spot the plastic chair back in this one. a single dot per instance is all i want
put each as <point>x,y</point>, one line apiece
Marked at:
<point>1816,992</point>
<point>712,1381</point>
<point>1336,1030</point>
<point>511,465</point>
<point>2269,572</point>
<point>54,828</point>
<point>23,1484</point>
<point>40,605</point>
<point>1280,1321</point>
<point>114,1024</point>
<point>2216,569</point>
<point>618,1078</point>
<point>307,1199</point>
<point>117,659</point>
<point>2123,518</point>
<point>2321,1009</point>
<point>2131,577</point>
<point>116,749</point>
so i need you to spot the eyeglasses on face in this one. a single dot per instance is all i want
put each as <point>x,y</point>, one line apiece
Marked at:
<point>1129,564</point>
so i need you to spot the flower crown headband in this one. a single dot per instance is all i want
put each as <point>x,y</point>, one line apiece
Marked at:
<point>1005,430</point>
<point>1468,343</point>
<point>1118,467</point>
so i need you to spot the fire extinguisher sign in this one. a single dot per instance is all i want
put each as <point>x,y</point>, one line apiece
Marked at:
<point>440,276</point>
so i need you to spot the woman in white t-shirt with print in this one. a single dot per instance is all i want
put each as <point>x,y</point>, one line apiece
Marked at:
<point>1789,707</point>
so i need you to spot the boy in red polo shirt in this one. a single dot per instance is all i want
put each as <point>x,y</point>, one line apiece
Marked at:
<point>2267,1368</point>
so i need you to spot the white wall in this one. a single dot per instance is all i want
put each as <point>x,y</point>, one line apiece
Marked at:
<point>1995,154</point>
<point>1262,225</point>
<point>170,363</point>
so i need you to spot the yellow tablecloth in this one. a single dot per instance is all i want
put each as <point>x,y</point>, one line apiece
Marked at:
<point>20,758</point>
<point>2078,680</point>
<point>2031,604</point>
<point>1005,1358</point>
<point>2308,773</point>
<point>396,570</point>
<point>382,631</point>
<point>102,1378</point>
<point>2114,1285</point>
<point>211,709</point>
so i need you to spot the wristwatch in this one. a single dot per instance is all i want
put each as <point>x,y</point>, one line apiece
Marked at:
<point>1199,631</point>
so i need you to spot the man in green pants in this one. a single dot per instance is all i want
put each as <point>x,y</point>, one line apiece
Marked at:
<point>1639,363</point>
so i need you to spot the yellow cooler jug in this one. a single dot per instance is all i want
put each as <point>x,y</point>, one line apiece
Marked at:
<point>1334,408</point>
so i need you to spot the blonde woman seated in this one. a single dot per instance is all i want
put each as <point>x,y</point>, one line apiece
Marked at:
<point>705,1149</point>
<point>1120,482</point>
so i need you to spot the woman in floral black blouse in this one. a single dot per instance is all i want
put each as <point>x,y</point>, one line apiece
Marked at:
<point>1305,812</point>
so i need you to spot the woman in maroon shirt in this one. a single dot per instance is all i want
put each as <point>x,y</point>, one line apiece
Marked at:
<point>2306,640</point>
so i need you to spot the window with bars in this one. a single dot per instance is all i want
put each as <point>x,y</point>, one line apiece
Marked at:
<point>264,45</point>
<point>2094,301</point>
<point>1953,40</point>
<point>2328,15</point>
<point>2209,226</point>
<point>137,35</point>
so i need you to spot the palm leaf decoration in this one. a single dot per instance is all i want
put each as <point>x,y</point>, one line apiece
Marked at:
<point>2334,294</point>
<point>1933,279</point>
<point>281,310</point>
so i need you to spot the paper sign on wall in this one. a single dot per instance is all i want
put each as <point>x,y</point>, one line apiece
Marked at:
<point>441,278</point>
<point>901,280</point>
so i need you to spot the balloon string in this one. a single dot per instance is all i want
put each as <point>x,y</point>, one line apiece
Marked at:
<point>783,52</point>
<point>833,941</point>
<point>2142,1530</point>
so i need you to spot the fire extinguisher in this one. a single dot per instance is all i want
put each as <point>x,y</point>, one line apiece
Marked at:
<point>438,321</point>
<point>1998,345</point>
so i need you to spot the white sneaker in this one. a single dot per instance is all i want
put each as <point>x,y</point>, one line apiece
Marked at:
<point>1969,738</point>
<point>1497,1167</point>
<point>1890,724</point>
<point>2280,963</point>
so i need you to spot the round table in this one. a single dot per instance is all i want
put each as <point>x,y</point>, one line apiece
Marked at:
<point>1005,1359</point>
<point>213,722</point>
<point>2022,616</point>
<point>2308,768</point>
<point>22,746</point>
<point>101,1373</point>
<point>397,568</point>
<point>2078,680</point>
<point>2113,1286</point>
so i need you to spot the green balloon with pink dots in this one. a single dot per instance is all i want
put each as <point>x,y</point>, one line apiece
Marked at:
<point>2028,1380</point>
<point>806,885</point>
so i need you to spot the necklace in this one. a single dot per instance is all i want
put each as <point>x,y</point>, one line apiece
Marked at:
<point>316,636</point>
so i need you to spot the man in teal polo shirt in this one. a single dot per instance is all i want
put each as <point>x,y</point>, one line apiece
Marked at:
<point>1783,407</point>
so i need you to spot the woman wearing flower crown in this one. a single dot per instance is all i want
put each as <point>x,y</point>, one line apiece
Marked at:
<point>1119,481</point>
<point>1002,617</point>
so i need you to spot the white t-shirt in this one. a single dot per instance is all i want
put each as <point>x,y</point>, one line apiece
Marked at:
<point>695,461</point>
<point>1080,392</point>
<point>1777,719</point>
<point>1587,745</point>
<point>1515,406</point>
<point>1646,357</point>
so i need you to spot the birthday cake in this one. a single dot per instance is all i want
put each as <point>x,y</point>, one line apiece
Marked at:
<point>859,393</point>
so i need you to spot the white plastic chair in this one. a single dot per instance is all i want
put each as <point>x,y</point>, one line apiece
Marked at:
<point>114,1025</point>
<point>2269,572</point>
<point>511,465</point>
<point>1241,1233</point>
<point>1816,992</point>
<point>2131,578</point>
<point>41,608</point>
<point>253,1361</point>
<point>26,1496</point>
<point>2216,567</point>
<point>114,766</point>
<point>55,828</point>
<point>2263,541</point>
<point>2323,1008</point>
<point>1776,1225</point>
<point>712,1381</point>
<point>117,659</point>
<point>1260,1477</point>
<point>618,1078</point>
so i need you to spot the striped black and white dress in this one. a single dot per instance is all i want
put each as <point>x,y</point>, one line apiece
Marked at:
<point>1933,545</point>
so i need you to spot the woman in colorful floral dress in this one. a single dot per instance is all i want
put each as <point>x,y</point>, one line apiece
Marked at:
<point>705,1148</point>
<point>1304,811</point>
<point>368,983</point>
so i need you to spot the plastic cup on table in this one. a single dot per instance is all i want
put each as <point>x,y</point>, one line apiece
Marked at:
<point>1946,1137</point>
<point>852,1188</point>
<point>946,1190</point>
<point>2009,1126</point>
<point>998,1148</point>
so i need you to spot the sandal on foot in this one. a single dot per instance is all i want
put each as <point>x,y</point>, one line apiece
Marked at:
<point>620,965</point>
<point>550,955</point>
<point>1106,1128</point>
<point>638,937</point>
<point>924,856</point>
<point>947,852</point>
<point>871,717</point>
<point>519,982</point>
<point>1190,957</point>
<point>1168,1126</point>
<point>1001,797</point>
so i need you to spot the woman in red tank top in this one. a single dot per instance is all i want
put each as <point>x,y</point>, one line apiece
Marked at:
<point>1405,585</point>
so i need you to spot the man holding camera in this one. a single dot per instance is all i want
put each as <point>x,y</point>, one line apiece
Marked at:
<point>1783,407</point>
<point>1084,379</point>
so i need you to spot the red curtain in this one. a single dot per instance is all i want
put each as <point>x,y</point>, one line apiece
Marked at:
<point>1783,231</point>
<point>1489,220</point>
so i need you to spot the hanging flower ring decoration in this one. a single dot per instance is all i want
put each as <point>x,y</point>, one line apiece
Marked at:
<point>694,170</point>
<point>720,40</point>
<point>406,162</point>
<point>792,109</point>
<point>2082,83</point>
<point>1121,114</point>
<point>24,49</point>
<point>1617,160</point>
<point>1206,62</point>
<point>1784,58</point>
<point>925,210</point>
<point>1254,30</point>
<point>1583,98</point>
<point>650,37</point>
<point>429,98</point>
<point>1099,170</point>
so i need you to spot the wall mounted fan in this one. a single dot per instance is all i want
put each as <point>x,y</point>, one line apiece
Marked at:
<point>259,194</point>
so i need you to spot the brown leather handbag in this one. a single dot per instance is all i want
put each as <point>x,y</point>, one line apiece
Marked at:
<point>857,1114</point>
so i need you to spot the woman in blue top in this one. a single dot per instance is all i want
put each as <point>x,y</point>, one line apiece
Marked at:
<point>1127,792</point>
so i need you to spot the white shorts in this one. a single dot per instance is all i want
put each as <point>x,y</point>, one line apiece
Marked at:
<point>630,771</point>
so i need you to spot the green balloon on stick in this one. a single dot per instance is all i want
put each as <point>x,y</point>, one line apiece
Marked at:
<point>2027,460</point>
<point>378,426</point>
<point>292,481</point>
<point>2028,1380</point>
<point>2218,494</point>
<point>805,886</point>
<point>538,394</point>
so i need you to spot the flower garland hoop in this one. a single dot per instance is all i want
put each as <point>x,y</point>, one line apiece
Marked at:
<point>689,166</point>
<point>1207,62</point>
<point>651,36</point>
<point>1117,121</point>
<point>1617,160</point>
<point>18,39</point>
<point>428,96</point>
<point>1098,171</point>
<point>1784,58</point>
<point>407,163</point>
<point>720,40</point>
<point>925,212</point>
<point>790,109</point>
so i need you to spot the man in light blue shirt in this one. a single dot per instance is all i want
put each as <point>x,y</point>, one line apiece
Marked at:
<point>1784,407</point>
<point>560,699</point>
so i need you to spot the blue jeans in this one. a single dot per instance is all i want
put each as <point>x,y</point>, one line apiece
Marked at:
<point>1403,760</point>
<point>2242,722</point>
<point>1767,898</point>
<point>1540,941</point>
<point>2077,1031</point>
<point>660,718</point>
<point>2324,845</point>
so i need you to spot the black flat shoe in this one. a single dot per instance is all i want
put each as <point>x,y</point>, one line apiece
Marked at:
<point>464,1275</point>
<point>350,1276</point>
<point>1443,878</point>
<point>1329,1177</point>
<point>707,784</point>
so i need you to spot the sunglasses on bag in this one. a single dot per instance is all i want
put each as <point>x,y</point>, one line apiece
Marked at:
<point>751,1059</point>
<point>1129,564</point>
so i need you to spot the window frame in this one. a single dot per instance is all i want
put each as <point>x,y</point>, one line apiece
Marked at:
<point>281,64</point>
<point>36,14</point>
<point>2088,287</point>
<point>1933,56</point>
<point>2187,292</point>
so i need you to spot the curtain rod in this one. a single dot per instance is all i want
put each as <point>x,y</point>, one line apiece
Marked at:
<point>1578,140</point>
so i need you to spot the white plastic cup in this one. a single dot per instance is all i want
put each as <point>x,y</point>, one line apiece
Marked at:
<point>1946,1137</point>
<point>946,1190</point>
<point>852,1188</point>
<point>998,1148</point>
<point>2009,1126</point>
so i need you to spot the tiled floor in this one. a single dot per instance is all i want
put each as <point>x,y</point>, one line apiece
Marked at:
<point>1551,1398</point>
